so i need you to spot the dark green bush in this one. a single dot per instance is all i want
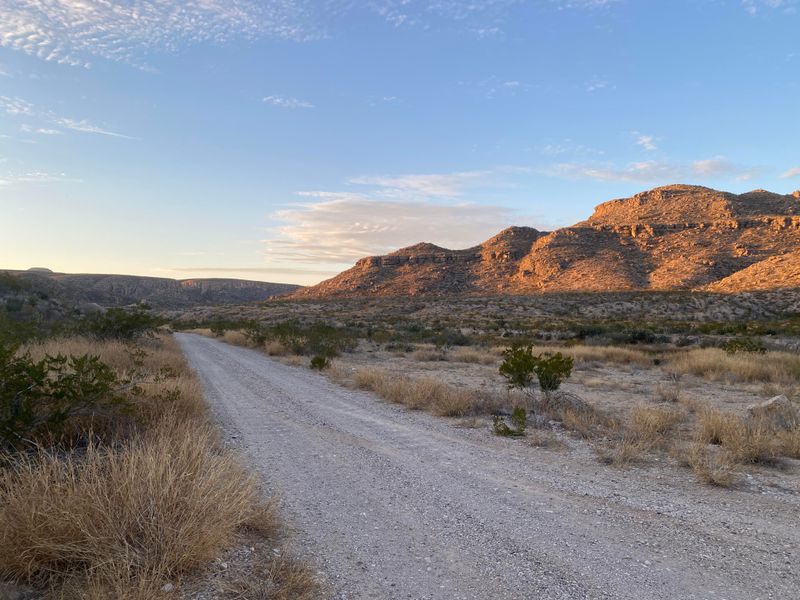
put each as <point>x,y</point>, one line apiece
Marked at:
<point>518,422</point>
<point>312,339</point>
<point>38,398</point>
<point>122,324</point>
<point>320,362</point>
<point>520,366</point>
<point>254,332</point>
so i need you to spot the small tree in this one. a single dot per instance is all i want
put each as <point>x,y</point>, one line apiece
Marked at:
<point>520,366</point>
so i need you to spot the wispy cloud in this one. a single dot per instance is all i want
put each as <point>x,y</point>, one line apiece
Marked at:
<point>340,229</point>
<point>17,107</point>
<point>85,126</point>
<point>448,185</point>
<point>648,142</point>
<point>756,6</point>
<point>9,179</point>
<point>793,172</point>
<point>656,171</point>
<point>287,102</point>
<point>596,85</point>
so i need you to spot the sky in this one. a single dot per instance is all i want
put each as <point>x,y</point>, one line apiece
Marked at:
<point>282,140</point>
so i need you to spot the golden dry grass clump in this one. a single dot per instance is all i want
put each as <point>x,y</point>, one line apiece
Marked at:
<point>126,511</point>
<point>417,394</point>
<point>138,513</point>
<point>717,365</point>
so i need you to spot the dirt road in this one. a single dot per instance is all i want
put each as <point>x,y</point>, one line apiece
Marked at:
<point>393,504</point>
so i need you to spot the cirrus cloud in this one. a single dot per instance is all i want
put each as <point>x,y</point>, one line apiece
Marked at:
<point>655,171</point>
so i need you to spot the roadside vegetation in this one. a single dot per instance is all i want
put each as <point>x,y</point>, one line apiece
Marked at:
<point>418,342</point>
<point>113,481</point>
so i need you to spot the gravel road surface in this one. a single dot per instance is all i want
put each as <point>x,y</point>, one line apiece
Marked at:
<point>395,504</point>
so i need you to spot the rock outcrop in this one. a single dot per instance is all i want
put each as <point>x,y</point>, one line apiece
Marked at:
<point>678,237</point>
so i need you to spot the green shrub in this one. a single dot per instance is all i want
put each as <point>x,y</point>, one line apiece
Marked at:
<point>520,366</point>
<point>122,324</point>
<point>315,338</point>
<point>37,398</point>
<point>320,362</point>
<point>254,332</point>
<point>518,422</point>
<point>744,344</point>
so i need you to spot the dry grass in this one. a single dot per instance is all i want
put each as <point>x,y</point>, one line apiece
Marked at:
<point>652,424</point>
<point>276,348</point>
<point>587,424</point>
<point>237,338</point>
<point>669,392</point>
<point>711,466</point>
<point>746,441</point>
<point>137,507</point>
<point>540,438</point>
<point>717,365</point>
<point>417,394</point>
<point>472,356</point>
<point>790,443</point>
<point>274,579</point>
<point>594,354</point>
<point>135,514</point>
<point>623,452</point>
<point>428,354</point>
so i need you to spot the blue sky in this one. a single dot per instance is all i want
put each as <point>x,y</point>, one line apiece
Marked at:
<point>281,140</point>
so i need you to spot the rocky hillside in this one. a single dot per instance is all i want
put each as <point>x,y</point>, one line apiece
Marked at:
<point>677,237</point>
<point>121,290</point>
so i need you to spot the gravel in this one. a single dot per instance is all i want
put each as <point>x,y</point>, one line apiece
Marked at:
<point>390,503</point>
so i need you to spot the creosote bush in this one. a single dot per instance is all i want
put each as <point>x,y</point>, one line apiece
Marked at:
<point>39,397</point>
<point>520,366</point>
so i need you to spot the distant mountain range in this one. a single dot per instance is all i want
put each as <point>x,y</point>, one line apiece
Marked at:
<point>678,237</point>
<point>160,293</point>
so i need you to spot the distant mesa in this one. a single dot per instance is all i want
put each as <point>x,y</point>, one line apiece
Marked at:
<point>158,292</point>
<point>39,270</point>
<point>676,237</point>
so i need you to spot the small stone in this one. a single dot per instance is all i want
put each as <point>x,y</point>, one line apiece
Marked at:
<point>779,410</point>
<point>168,588</point>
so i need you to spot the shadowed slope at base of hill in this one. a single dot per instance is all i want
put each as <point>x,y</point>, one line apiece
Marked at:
<point>678,237</point>
<point>159,292</point>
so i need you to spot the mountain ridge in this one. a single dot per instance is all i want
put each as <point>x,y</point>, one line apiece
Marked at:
<point>676,237</point>
<point>160,292</point>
